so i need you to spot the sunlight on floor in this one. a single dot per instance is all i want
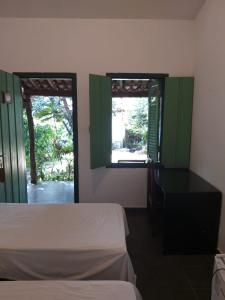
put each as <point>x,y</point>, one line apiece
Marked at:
<point>49,192</point>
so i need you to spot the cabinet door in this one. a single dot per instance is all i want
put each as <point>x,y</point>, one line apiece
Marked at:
<point>13,187</point>
<point>177,121</point>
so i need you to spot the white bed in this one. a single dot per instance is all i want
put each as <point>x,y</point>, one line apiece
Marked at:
<point>68,290</point>
<point>72,242</point>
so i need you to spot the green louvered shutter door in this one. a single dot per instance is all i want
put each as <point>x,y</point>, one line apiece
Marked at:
<point>177,122</point>
<point>100,104</point>
<point>2,183</point>
<point>12,141</point>
<point>18,103</point>
<point>153,132</point>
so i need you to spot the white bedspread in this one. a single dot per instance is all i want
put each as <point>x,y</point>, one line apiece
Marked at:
<point>72,241</point>
<point>68,290</point>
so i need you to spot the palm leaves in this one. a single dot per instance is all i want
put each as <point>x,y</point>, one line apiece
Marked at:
<point>48,115</point>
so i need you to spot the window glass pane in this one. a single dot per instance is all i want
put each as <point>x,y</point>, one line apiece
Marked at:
<point>129,129</point>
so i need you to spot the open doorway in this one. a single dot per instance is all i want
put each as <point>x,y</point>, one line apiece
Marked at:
<point>50,132</point>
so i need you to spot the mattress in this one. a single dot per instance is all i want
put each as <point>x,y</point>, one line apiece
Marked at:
<point>68,290</point>
<point>72,242</point>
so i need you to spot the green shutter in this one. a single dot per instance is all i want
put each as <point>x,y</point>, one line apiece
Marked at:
<point>100,98</point>
<point>170,113</point>
<point>2,184</point>
<point>153,130</point>
<point>185,122</point>
<point>11,140</point>
<point>177,121</point>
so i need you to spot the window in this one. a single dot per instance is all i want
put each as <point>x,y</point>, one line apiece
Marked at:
<point>136,118</point>
<point>125,118</point>
<point>169,119</point>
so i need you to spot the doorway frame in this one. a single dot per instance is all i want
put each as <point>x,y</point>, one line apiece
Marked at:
<point>73,77</point>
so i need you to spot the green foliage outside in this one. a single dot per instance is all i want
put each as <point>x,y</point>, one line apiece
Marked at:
<point>53,129</point>
<point>137,126</point>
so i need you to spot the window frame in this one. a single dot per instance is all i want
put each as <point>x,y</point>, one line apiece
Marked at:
<point>162,77</point>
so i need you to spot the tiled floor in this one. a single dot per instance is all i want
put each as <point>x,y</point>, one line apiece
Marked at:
<point>51,192</point>
<point>165,277</point>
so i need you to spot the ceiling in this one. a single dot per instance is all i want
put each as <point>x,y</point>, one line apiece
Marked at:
<point>46,87</point>
<point>116,9</point>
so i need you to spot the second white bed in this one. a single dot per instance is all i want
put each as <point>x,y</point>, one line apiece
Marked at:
<point>68,290</point>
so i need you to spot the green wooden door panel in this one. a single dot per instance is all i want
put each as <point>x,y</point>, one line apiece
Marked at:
<point>2,184</point>
<point>20,141</point>
<point>177,120</point>
<point>100,101</point>
<point>184,122</point>
<point>6,143</point>
<point>12,142</point>
<point>169,126</point>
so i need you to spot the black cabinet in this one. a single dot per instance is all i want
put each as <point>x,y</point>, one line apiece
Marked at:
<point>190,211</point>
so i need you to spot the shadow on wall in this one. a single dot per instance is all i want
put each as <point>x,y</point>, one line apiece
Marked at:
<point>97,177</point>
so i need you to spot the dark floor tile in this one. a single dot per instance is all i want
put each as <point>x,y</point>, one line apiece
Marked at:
<point>167,293</point>
<point>147,278</point>
<point>203,294</point>
<point>167,277</point>
<point>172,278</point>
<point>192,260</point>
<point>176,294</point>
<point>148,293</point>
<point>199,277</point>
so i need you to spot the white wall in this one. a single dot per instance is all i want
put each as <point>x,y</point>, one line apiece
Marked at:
<point>208,136</point>
<point>99,46</point>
